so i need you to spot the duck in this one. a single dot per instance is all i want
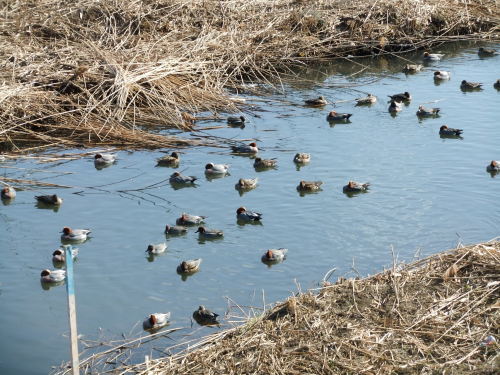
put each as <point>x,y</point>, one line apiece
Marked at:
<point>236,121</point>
<point>175,229</point>
<point>483,52</point>
<point>316,102</point>
<point>59,255</point>
<point>49,199</point>
<point>446,131</point>
<point>52,277</point>
<point>171,160</point>
<point>494,166</point>
<point>395,106</point>
<point>274,255</point>
<point>187,219</point>
<point>432,56</point>
<point>8,192</point>
<point>204,316</point>
<point>243,214</point>
<point>309,185</point>
<point>441,75</point>
<point>355,187</point>
<point>189,266</point>
<point>209,233</point>
<point>370,99</point>
<point>302,158</point>
<point>178,178</point>
<point>156,321</point>
<point>155,249</point>
<point>246,149</point>
<point>69,234</point>
<point>104,159</point>
<point>468,85</point>
<point>412,68</point>
<point>212,168</point>
<point>334,116</point>
<point>427,112</point>
<point>264,163</point>
<point>246,184</point>
<point>401,97</point>
<point>497,84</point>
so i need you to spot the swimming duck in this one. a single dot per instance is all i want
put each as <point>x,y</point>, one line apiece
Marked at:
<point>401,97</point>
<point>264,163</point>
<point>69,234</point>
<point>189,266</point>
<point>494,166</point>
<point>441,75</point>
<point>212,168</point>
<point>309,185</point>
<point>302,158</point>
<point>497,84</point>
<point>187,219</point>
<point>49,199</point>
<point>175,230</point>
<point>427,112</point>
<point>274,255</point>
<point>355,187</point>
<point>204,316</point>
<point>467,85</point>
<point>483,52</point>
<point>412,68</point>
<point>156,321</point>
<point>171,160</point>
<point>237,121</point>
<point>156,249</point>
<point>246,149</point>
<point>104,159</point>
<point>432,56</point>
<point>178,178</point>
<point>317,102</point>
<point>370,99</point>
<point>8,192</point>
<point>209,233</point>
<point>246,183</point>
<point>54,276</point>
<point>446,131</point>
<point>243,214</point>
<point>334,116</point>
<point>395,106</point>
<point>59,255</point>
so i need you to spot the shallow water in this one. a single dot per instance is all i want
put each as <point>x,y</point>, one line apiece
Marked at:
<point>427,194</point>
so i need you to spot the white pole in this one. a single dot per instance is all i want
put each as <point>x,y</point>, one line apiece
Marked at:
<point>70,289</point>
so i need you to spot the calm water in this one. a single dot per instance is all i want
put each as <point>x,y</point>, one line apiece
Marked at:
<point>427,194</point>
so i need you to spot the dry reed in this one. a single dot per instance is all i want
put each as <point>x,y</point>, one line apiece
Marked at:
<point>427,317</point>
<point>114,72</point>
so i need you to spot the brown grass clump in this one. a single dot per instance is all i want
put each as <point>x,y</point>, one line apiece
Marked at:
<point>112,72</point>
<point>428,317</point>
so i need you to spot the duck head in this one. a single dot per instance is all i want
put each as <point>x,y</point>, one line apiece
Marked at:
<point>209,166</point>
<point>149,249</point>
<point>464,82</point>
<point>420,107</point>
<point>258,160</point>
<point>436,73</point>
<point>57,252</point>
<point>426,54</point>
<point>175,174</point>
<point>444,127</point>
<point>184,266</point>
<point>201,230</point>
<point>494,164</point>
<point>253,144</point>
<point>242,118</point>
<point>66,230</point>
<point>45,273</point>
<point>269,253</point>
<point>407,94</point>
<point>152,319</point>
<point>332,113</point>
<point>97,156</point>
<point>174,155</point>
<point>350,184</point>
<point>5,190</point>
<point>240,210</point>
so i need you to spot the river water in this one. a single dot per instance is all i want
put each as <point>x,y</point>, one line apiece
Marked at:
<point>427,194</point>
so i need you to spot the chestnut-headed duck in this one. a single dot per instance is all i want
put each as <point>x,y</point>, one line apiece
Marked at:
<point>274,255</point>
<point>154,249</point>
<point>189,266</point>
<point>494,166</point>
<point>302,158</point>
<point>309,185</point>
<point>8,192</point>
<point>334,116</point>
<point>243,214</point>
<point>246,149</point>
<point>432,56</point>
<point>187,219</point>
<point>156,321</point>
<point>54,276</point>
<point>59,255</point>
<point>178,178</point>
<point>212,168</point>
<point>69,234</point>
<point>104,159</point>
<point>171,160</point>
<point>427,112</point>
<point>316,102</point>
<point>356,187</point>
<point>49,199</point>
<point>204,316</point>
<point>209,233</point>
<point>446,131</point>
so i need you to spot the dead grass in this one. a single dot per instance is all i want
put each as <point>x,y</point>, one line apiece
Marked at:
<point>427,317</point>
<point>111,72</point>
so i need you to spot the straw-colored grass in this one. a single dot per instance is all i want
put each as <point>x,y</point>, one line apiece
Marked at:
<point>111,72</point>
<point>428,317</point>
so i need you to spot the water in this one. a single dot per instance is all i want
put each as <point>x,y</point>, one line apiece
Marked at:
<point>427,194</point>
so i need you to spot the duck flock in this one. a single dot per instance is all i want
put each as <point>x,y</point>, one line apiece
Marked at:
<point>188,267</point>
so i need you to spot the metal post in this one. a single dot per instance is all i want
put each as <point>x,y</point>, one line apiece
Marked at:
<point>70,289</point>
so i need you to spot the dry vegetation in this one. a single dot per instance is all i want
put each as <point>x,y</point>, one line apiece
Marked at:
<point>428,317</point>
<point>110,72</point>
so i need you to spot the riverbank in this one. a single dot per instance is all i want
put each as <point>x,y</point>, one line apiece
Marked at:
<point>115,74</point>
<point>429,316</point>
